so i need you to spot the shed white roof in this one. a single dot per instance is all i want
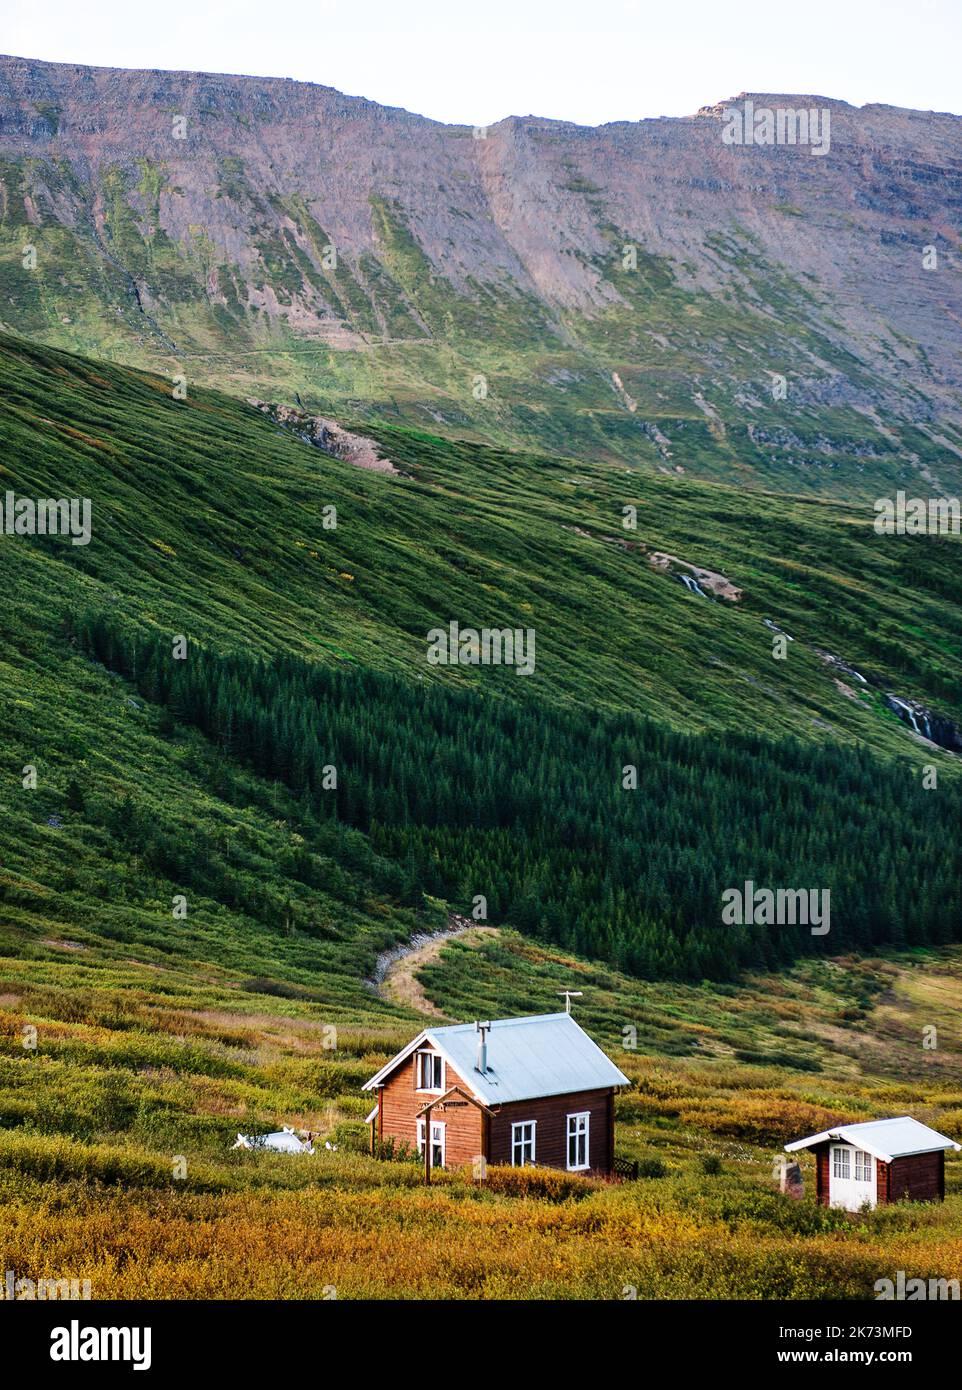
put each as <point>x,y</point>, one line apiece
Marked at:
<point>544,1055</point>
<point>884,1139</point>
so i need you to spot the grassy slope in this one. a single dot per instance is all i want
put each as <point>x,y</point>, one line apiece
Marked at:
<point>159,1038</point>
<point>208,521</point>
<point>136,1078</point>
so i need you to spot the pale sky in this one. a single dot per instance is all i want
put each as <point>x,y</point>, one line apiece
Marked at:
<point>475,61</point>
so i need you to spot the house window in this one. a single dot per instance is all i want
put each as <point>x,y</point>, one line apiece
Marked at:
<point>863,1166</point>
<point>437,1142</point>
<point>522,1143</point>
<point>841,1163</point>
<point>430,1071</point>
<point>578,1140</point>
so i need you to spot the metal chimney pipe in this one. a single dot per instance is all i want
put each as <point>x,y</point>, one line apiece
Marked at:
<point>481,1061</point>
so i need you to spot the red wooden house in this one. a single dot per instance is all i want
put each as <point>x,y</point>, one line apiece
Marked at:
<point>869,1164</point>
<point>516,1091</point>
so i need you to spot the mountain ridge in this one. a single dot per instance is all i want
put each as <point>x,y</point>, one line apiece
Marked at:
<point>628,291</point>
<point>708,109</point>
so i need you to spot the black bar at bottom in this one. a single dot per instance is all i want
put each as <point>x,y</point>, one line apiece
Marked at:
<point>300,1338</point>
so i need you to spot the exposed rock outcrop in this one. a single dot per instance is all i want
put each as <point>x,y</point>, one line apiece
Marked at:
<point>695,578</point>
<point>327,435</point>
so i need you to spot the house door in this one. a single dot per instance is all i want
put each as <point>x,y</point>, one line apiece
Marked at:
<point>437,1142</point>
<point>851,1177</point>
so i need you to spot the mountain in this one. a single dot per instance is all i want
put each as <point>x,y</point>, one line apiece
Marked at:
<point>627,293</point>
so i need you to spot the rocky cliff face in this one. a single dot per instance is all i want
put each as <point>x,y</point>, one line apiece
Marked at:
<point>645,291</point>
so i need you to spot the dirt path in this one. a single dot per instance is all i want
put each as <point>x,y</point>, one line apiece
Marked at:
<point>395,977</point>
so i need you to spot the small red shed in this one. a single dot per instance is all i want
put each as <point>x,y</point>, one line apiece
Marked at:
<point>515,1091</point>
<point>878,1161</point>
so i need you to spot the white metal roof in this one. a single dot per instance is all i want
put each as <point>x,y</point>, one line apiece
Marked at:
<point>544,1055</point>
<point>884,1139</point>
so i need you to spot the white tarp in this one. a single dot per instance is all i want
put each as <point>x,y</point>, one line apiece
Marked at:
<point>283,1141</point>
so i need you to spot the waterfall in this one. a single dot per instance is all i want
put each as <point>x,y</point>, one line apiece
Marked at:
<point>692,585</point>
<point>937,728</point>
<point>908,710</point>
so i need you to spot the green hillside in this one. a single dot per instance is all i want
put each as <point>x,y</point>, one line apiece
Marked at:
<point>208,520</point>
<point>208,524</point>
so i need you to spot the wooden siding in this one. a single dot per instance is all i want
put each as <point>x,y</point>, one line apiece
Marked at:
<point>919,1177</point>
<point>399,1101</point>
<point>882,1178</point>
<point>822,1173</point>
<point>550,1114</point>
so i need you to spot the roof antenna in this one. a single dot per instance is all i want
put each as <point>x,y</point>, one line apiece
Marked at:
<point>569,994</point>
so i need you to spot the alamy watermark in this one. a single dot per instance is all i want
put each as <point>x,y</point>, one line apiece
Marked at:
<point>751,125</point>
<point>76,1343</point>
<point>46,516</point>
<point>31,1290</point>
<point>917,516</point>
<point>913,1290</point>
<point>486,646</point>
<point>782,907</point>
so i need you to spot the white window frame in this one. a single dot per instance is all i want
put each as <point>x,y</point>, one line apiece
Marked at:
<point>438,1141</point>
<point>864,1166</point>
<point>573,1132</point>
<point>428,1090</point>
<point>523,1143</point>
<point>841,1162</point>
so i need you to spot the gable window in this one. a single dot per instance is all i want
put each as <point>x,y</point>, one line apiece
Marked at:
<point>430,1073</point>
<point>578,1140</point>
<point>863,1166</point>
<point>522,1143</point>
<point>437,1142</point>
<point>841,1163</point>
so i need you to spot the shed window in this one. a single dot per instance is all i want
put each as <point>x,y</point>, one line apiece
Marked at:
<point>578,1140</point>
<point>841,1163</point>
<point>522,1143</point>
<point>430,1071</point>
<point>863,1166</point>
